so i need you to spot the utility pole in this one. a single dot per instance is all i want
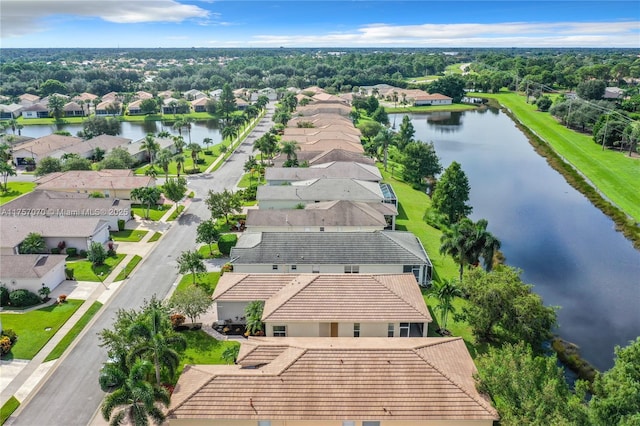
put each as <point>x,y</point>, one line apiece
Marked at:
<point>604,137</point>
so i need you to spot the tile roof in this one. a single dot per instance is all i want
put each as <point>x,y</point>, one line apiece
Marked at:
<point>347,298</point>
<point>47,144</point>
<point>317,157</point>
<point>338,248</point>
<point>336,379</point>
<point>14,229</point>
<point>89,179</point>
<point>327,213</point>
<point>242,287</point>
<point>329,144</point>
<point>344,128</point>
<point>29,265</point>
<point>57,203</point>
<point>322,190</point>
<point>342,169</point>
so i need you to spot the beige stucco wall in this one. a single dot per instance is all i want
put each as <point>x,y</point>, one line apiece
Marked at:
<point>51,279</point>
<point>230,310</point>
<point>314,329</point>
<point>224,422</point>
<point>325,269</point>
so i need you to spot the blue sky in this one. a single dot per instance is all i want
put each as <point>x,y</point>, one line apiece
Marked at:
<point>302,23</point>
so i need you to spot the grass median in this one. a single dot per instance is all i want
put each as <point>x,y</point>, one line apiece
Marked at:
<point>74,332</point>
<point>8,408</point>
<point>124,274</point>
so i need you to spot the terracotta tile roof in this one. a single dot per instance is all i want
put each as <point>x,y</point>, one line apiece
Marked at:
<point>321,134</point>
<point>348,298</point>
<point>338,379</point>
<point>29,265</point>
<point>345,128</point>
<point>318,157</point>
<point>29,97</point>
<point>329,144</point>
<point>431,96</point>
<point>242,287</point>
<point>57,203</point>
<point>47,144</point>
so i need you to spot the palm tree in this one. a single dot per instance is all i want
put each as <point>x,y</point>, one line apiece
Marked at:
<point>151,171</point>
<point>156,341</point>
<point>179,144</point>
<point>249,167</point>
<point>6,170</point>
<point>33,244</point>
<point>229,132</point>
<point>146,195</point>
<point>445,291</point>
<point>455,242</point>
<point>207,142</point>
<point>187,125</point>
<point>164,134</point>
<point>267,144</point>
<point>149,143</point>
<point>136,400</point>
<point>56,107</point>
<point>179,159</point>
<point>191,262</point>
<point>195,150</point>
<point>253,314</point>
<point>163,160</point>
<point>485,244</point>
<point>383,139</point>
<point>289,148</point>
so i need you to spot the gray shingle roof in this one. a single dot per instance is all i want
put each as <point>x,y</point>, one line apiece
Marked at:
<point>379,247</point>
<point>323,190</point>
<point>335,169</point>
<point>14,229</point>
<point>29,265</point>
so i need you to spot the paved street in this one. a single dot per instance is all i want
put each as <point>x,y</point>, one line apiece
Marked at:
<point>71,395</point>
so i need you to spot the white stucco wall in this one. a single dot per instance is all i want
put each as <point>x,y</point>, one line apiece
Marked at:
<point>230,310</point>
<point>51,279</point>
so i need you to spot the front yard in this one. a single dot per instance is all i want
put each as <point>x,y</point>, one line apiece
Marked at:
<point>155,212</point>
<point>15,190</point>
<point>129,235</point>
<point>83,270</point>
<point>207,281</point>
<point>203,349</point>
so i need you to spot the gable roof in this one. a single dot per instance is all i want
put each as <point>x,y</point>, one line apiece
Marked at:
<point>326,156</point>
<point>47,144</point>
<point>16,228</point>
<point>322,190</point>
<point>332,170</point>
<point>343,128</point>
<point>347,298</point>
<point>57,203</point>
<point>327,213</point>
<point>29,265</point>
<point>332,379</point>
<point>241,287</point>
<point>321,134</point>
<point>90,179</point>
<point>337,248</point>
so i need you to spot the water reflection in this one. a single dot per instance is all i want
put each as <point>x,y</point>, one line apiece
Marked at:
<point>566,248</point>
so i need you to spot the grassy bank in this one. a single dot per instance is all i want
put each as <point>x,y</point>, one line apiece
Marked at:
<point>613,173</point>
<point>429,108</point>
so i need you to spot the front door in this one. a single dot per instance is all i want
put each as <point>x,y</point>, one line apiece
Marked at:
<point>334,329</point>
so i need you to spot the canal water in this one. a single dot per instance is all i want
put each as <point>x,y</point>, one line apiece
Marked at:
<point>568,249</point>
<point>138,130</point>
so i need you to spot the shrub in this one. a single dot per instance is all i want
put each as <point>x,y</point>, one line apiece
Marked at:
<point>83,253</point>
<point>208,152</point>
<point>62,298</point>
<point>62,245</point>
<point>44,292</point>
<point>55,250</point>
<point>227,267</point>
<point>10,334</point>
<point>5,345</point>
<point>226,242</point>
<point>191,194</point>
<point>69,273</point>
<point>192,171</point>
<point>21,298</point>
<point>72,251</point>
<point>4,296</point>
<point>200,161</point>
<point>177,320</point>
<point>121,224</point>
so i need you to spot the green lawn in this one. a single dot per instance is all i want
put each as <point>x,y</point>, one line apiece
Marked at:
<point>188,163</point>
<point>155,213</point>
<point>429,108</point>
<point>8,408</point>
<point>83,270</point>
<point>207,281</point>
<point>612,172</point>
<point>35,328</point>
<point>203,349</point>
<point>130,235</point>
<point>176,213</point>
<point>73,333</point>
<point>15,190</point>
<point>156,236</point>
<point>127,269</point>
<point>205,253</point>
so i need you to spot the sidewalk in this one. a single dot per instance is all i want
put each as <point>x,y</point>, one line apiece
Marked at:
<point>22,378</point>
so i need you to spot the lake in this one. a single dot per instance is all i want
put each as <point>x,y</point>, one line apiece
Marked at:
<point>568,249</point>
<point>138,130</point>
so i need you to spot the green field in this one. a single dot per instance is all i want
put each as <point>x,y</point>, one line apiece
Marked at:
<point>614,173</point>
<point>35,328</point>
<point>207,281</point>
<point>8,408</point>
<point>15,190</point>
<point>202,349</point>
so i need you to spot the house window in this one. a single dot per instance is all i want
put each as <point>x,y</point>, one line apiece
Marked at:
<point>274,267</point>
<point>370,423</point>
<point>390,329</point>
<point>315,269</point>
<point>404,329</point>
<point>294,267</point>
<point>356,329</point>
<point>351,269</point>
<point>322,229</point>
<point>279,331</point>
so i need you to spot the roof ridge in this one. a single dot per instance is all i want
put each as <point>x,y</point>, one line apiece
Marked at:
<point>293,282</point>
<point>483,403</point>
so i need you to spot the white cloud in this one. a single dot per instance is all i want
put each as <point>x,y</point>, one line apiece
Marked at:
<point>513,34</point>
<point>21,17</point>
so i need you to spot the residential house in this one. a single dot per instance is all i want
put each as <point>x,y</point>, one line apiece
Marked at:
<point>70,205</point>
<point>45,101</point>
<point>111,97</point>
<point>35,111</point>
<point>328,144</point>
<point>319,119</point>
<point>193,94</point>
<point>335,382</point>
<point>174,106</point>
<point>140,154</point>
<point>28,99</point>
<point>379,252</point>
<point>332,170</point>
<point>110,183</point>
<point>344,128</point>
<point>8,112</point>
<point>108,107</point>
<point>614,93</point>
<point>432,99</point>
<point>78,233</point>
<point>142,95</point>
<point>73,109</point>
<point>310,137</point>
<point>134,108</point>
<point>215,94</point>
<point>327,216</point>
<point>40,148</point>
<point>326,305</point>
<point>32,271</point>
<point>200,104</point>
<point>241,104</point>
<point>338,107</point>
<point>85,97</point>
<point>321,157</point>
<point>317,190</point>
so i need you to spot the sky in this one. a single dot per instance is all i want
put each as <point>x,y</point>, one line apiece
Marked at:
<point>302,23</point>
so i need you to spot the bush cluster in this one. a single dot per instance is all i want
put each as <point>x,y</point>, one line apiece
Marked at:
<point>72,251</point>
<point>226,242</point>
<point>4,296</point>
<point>7,340</point>
<point>22,298</point>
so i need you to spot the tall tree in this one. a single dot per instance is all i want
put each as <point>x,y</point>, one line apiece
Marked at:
<point>445,291</point>
<point>136,400</point>
<point>616,392</point>
<point>6,170</point>
<point>420,161</point>
<point>529,389</point>
<point>163,160</point>
<point>223,203</point>
<point>383,140</point>
<point>195,150</point>
<point>191,302</point>
<point>267,144</point>
<point>451,85</point>
<point>191,262</point>
<point>150,145</point>
<point>179,144</point>
<point>406,132</point>
<point>289,148</point>
<point>452,193</point>
<point>229,132</point>
<point>227,103</point>
<point>175,189</point>
<point>56,107</point>
<point>457,242</point>
<point>146,195</point>
<point>179,159</point>
<point>207,234</point>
